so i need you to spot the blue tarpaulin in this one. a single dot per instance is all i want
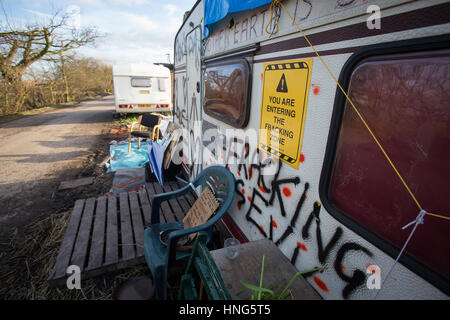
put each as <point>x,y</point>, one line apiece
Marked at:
<point>216,10</point>
<point>121,159</point>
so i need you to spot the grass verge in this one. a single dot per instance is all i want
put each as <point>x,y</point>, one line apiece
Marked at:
<point>25,267</point>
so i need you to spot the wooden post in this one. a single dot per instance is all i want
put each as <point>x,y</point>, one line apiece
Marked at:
<point>129,141</point>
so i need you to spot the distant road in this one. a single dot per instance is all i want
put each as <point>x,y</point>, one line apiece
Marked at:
<point>37,151</point>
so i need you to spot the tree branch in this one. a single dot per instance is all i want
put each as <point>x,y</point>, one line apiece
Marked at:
<point>22,47</point>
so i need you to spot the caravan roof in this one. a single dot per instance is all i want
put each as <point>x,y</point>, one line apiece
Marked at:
<point>140,69</point>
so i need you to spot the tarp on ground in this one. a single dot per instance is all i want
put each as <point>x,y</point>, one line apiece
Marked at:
<point>121,159</point>
<point>216,10</point>
<point>126,180</point>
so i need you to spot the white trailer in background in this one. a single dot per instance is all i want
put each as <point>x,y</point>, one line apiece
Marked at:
<point>142,88</point>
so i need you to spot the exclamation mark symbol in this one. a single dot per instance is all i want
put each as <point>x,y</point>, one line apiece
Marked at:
<point>282,85</point>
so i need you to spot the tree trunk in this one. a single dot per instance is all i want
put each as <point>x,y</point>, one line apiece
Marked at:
<point>52,95</point>
<point>66,81</point>
<point>20,98</point>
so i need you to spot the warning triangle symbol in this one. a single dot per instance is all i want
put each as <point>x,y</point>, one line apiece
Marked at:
<point>282,85</point>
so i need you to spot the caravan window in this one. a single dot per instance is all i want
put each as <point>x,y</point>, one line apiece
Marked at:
<point>140,82</point>
<point>227,91</point>
<point>404,98</point>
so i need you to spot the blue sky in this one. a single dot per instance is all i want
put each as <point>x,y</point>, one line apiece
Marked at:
<point>135,30</point>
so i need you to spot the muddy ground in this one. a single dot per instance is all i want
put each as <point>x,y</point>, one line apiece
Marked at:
<point>30,252</point>
<point>30,242</point>
<point>39,152</point>
<point>34,214</point>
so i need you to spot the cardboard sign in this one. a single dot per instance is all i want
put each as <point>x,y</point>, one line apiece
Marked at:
<point>201,211</point>
<point>283,108</point>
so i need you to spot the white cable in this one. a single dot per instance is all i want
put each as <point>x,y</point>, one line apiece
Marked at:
<point>419,220</point>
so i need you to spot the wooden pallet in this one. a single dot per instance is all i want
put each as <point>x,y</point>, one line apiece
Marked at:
<point>107,233</point>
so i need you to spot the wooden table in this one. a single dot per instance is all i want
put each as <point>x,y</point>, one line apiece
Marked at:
<point>247,267</point>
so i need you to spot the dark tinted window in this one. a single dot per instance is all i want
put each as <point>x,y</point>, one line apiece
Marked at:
<point>405,99</point>
<point>227,91</point>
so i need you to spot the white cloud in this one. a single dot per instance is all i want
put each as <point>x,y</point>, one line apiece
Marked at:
<point>140,23</point>
<point>135,30</point>
<point>131,37</point>
<point>38,13</point>
<point>95,3</point>
<point>114,52</point>
<point>130,2</point>
<point>171,9</point>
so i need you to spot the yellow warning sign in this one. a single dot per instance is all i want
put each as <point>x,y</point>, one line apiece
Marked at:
<point>283,108</point>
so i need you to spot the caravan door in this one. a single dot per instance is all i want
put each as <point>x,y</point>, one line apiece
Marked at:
<point>194,102</point>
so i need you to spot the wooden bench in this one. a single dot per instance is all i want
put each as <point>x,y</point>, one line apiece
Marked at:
<point>106,234</point>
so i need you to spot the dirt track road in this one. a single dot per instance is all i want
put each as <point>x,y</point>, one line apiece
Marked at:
<point>40,151</point>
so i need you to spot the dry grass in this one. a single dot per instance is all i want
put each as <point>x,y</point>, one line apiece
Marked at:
<point>25,267</point>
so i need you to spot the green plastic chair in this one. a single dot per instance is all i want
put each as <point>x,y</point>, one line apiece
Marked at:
<point>202,262</point>
<point>160,257</point>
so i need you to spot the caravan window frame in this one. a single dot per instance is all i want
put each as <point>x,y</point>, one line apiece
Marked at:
<point>397,47</point>
<point>141,78</point>
<point>245,111</point>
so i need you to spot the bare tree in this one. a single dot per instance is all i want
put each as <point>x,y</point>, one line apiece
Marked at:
<point>21,47</point>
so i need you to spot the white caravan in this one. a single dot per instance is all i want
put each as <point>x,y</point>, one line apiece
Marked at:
<point>251,94</point>
<point>142,88</point>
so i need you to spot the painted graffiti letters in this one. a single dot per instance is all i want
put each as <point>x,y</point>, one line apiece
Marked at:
<point>322,252</point>
<point>303,8</point>
<point>358,277</point>
<point>265,197</point>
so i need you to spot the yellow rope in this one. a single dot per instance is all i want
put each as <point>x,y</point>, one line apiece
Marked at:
<point>278,2</point>
<point>273,16</point>
<point>438,215</point>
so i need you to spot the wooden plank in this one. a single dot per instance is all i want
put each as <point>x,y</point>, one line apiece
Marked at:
<point>114,223</point>
<point>278,270</point>
<point>126,230</point>
<point>98,235</point>
<point>138,226</point>
<point>184,204</point>
<point>151,192</point>
<point>176,209</point>
<point>145,205</point>
<point>65,251</point>
<point>164,208</point>
<point>80,249</point>
<point>111,251</point>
